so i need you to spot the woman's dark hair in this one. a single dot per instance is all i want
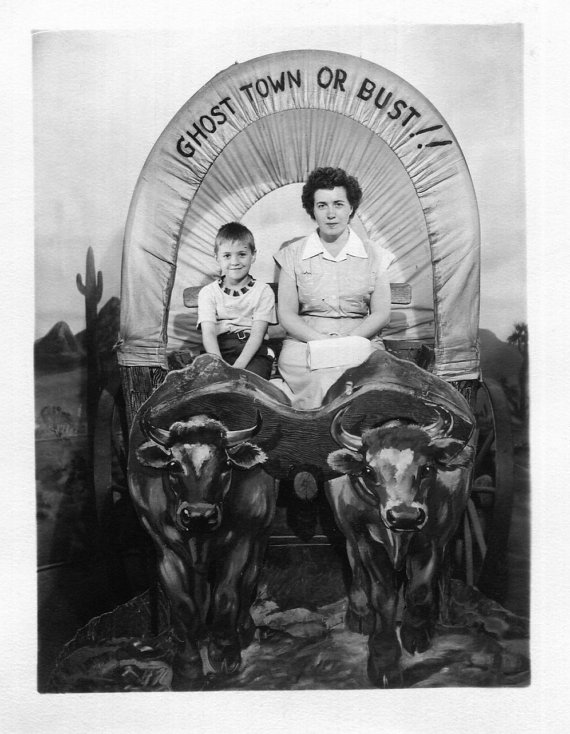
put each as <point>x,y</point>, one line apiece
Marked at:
<point>330,178</point>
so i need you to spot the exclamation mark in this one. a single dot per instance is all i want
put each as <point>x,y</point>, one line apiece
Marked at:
<point>429,130</point>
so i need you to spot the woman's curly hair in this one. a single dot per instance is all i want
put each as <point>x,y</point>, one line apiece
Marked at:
<point>329,178</point>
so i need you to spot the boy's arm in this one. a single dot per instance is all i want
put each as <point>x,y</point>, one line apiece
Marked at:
<point>253,343</point>
<point>209,337</point>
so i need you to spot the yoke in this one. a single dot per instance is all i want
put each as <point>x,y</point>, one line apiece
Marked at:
<point>382,388</point>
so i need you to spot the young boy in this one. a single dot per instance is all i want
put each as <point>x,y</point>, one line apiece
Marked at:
<point>234,311</point>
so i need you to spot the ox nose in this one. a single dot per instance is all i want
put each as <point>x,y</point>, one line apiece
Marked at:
<point>405,519</point>
<point>200,517</point>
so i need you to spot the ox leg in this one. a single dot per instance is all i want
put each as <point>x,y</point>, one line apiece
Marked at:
<point>359,615</point>
<point>174,575</point>
<point>245,626</point>
<point>224,649</point>
<point>421,598</point>
<point>186,619</point>
<point>383,647</point>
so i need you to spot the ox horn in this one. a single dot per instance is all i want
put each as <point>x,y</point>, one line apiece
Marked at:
<point>443,424</point>
<point>235,437</point>
<point>341,436</point>
<point>158,435</point>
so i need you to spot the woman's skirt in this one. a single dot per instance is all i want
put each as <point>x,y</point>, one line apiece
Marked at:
<point>308,386</point>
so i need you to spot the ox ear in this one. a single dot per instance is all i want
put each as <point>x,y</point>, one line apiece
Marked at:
<point>246,455</point>
<point>452,454</point>
<point>151,454</point>
<point>345,461</point>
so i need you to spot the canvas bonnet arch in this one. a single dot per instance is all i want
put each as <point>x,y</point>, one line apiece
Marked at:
<point>265,124</point>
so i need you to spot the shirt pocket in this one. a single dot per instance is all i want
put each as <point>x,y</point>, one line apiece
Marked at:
<point>309,286</point>
<point>357,288</point>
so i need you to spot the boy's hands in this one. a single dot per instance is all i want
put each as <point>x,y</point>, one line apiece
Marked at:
<point>210,338</point>
<point>253,343</point>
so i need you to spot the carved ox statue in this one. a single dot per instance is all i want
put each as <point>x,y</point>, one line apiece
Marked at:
<point>201,492</point>
<point>403,491</point>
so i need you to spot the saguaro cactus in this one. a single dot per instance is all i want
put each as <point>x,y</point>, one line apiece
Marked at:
<point>92,292</point>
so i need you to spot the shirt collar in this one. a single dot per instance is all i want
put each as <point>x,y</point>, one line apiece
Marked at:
<point>354,246</point>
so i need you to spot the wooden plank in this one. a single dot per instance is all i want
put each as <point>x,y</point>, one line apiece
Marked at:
<point>401,293</point>
<point>383,388</point>
<point>138,384</point>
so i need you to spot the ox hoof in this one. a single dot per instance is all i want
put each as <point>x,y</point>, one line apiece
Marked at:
<point>384,662</point>
<point>382,677</point>
<point>223,659</point>
<point>187,676</point>
<point>415,639</point>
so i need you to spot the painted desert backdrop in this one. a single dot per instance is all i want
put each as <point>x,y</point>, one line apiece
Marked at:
<point>94,559</point>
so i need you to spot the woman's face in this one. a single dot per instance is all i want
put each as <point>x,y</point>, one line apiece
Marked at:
<point>332,212</point>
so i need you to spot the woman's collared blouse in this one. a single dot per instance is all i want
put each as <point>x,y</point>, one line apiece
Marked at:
<point>334,288</point>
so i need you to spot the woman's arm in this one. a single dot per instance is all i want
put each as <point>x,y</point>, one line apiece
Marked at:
<point>253,343</point>
<point>288,311</point>
<point>380,304</point>
<point>209,337</point>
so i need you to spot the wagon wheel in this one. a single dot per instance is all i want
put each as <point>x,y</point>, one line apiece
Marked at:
<point>110,441</point>
<point>482,539</point>
<point>124,544</point>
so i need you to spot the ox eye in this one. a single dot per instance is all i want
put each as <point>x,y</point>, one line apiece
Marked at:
<point>174,467</point>
<point>427,471</point>
<point>368,471</point>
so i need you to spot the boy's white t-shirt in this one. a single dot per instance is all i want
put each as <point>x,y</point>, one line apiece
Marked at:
<point>234,313</point>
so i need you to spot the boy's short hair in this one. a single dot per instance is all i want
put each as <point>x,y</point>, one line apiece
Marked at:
<point>234,232</point>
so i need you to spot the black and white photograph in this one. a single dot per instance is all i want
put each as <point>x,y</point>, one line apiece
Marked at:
<point>280,379</point>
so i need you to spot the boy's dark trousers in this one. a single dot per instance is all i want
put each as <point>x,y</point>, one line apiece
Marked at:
<point>231,346</point>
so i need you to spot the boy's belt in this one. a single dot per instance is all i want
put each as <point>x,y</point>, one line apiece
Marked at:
<point>242,335</point>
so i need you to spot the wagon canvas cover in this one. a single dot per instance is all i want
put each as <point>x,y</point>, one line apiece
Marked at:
<point>265,124</point>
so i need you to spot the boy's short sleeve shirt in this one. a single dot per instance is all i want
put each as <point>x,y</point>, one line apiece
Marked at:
<point>234,313</point>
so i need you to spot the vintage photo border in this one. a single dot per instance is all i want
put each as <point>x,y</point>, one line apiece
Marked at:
<point>500,710</point>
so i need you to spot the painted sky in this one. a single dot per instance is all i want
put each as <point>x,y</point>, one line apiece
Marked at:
<point>102,98</point>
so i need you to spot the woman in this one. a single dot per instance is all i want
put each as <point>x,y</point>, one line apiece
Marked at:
<point>331,284</point>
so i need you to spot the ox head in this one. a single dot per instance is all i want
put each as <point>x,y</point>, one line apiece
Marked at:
<point>393,466</point>
<point>197,456</point>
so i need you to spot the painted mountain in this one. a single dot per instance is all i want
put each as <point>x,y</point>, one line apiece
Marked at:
<point>60,349</point>
<point>499,360</point>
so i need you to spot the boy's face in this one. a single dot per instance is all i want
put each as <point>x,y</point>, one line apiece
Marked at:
<point>235,260</point>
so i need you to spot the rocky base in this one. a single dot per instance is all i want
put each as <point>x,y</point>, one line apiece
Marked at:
<point>481,644</point>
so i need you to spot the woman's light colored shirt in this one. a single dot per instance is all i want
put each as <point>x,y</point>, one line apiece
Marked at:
<point>334,291</point>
